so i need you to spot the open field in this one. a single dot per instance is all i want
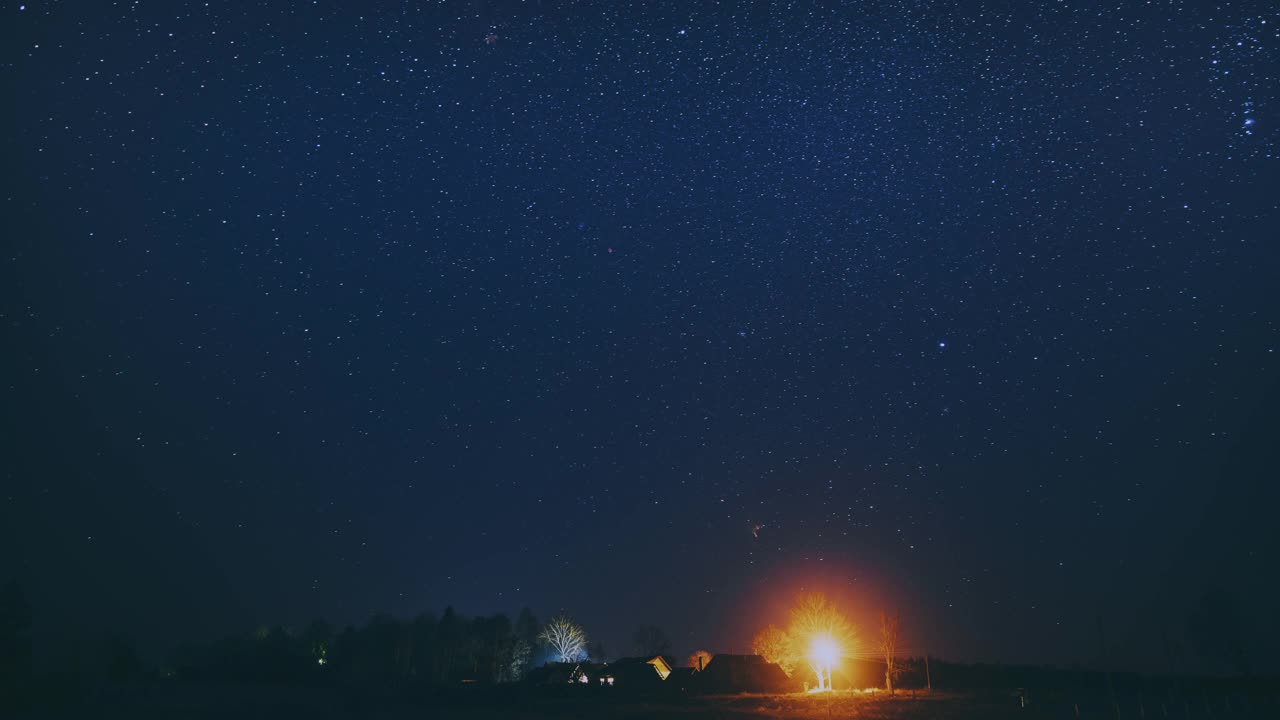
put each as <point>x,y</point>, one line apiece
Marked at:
<point>240,702</point>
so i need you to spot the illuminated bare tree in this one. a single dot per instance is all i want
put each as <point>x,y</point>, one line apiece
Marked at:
<point>819,635</point>
<point>774,646</point>
<point>699,659</point>
<point>889,646</point>
<point>567,638</point>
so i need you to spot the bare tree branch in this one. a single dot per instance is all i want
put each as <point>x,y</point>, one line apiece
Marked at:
<point>889,645</point>
<point>566,638</point>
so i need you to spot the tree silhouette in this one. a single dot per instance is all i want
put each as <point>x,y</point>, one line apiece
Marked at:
<point>123,664</point>
<point>318,639</point>
<point>888,646</point>
<point>385,653</point>
<point>650,640</point>
<point>773,645</point>
<point>525,638</point>
<point>595,651</point>
<point>1215,631</point>
<point>448,649</point>
<point>490,647</point>
<point>816,622</point>
<point>15,637</point>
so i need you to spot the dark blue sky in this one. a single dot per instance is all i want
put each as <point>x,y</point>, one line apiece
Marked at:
<point>327,308</point>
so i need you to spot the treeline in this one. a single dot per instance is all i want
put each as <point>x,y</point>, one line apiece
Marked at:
<point>15,639</point>
<point>426,650</point>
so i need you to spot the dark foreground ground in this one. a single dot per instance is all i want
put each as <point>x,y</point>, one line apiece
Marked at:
<point>239,703</point>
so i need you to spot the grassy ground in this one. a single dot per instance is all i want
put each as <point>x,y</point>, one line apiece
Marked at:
<point>876,706</point>
<point>810,707</point>
<point>201,702</point>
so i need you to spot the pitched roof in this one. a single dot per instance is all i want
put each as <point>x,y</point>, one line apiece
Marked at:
<point>743,673</point>
<point>638,669</point>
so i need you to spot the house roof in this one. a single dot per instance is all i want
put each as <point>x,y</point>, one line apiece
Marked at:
<point>743,673</point>
<point>639,668</point>
<point>743,660</point>
<point>644,659</point>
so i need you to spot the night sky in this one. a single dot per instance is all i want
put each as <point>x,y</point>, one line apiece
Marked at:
<point>655,312</point>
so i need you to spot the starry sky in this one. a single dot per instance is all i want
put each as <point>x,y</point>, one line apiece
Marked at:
<point>654,312</point>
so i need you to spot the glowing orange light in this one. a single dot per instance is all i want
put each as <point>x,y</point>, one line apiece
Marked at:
<point>824,653</point>
<point>824,650</point>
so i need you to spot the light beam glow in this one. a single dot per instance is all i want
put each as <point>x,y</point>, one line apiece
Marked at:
<point>824,653</point>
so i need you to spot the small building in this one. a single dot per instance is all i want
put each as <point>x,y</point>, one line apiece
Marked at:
<point>636,673</point>
<point>743,673</point>
<point>682,678</point>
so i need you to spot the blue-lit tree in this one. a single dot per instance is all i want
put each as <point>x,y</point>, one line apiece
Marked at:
<point>567,639</point>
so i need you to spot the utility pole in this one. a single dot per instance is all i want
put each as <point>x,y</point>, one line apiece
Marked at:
<point>928,680</point>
